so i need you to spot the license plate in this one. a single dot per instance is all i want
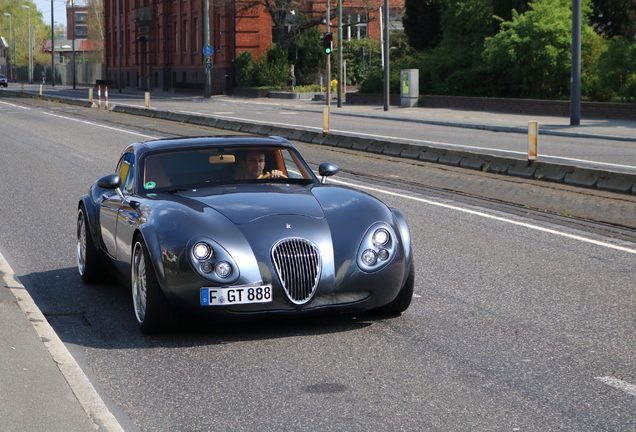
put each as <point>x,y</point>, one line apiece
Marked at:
<point>236,295</point>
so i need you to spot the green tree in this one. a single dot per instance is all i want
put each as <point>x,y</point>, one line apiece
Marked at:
<point>615,72</point>
<point>422,23</point>
<point>531,55</point>
<point>307,56</point>
<point>615,18</point>
<point>20,23</point>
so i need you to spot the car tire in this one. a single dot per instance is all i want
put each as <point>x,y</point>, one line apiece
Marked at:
<point>90,267</point>
<point>152,310</point>
<point>404,297</point>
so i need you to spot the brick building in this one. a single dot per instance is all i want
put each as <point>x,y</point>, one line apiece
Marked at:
<point>162,41</point>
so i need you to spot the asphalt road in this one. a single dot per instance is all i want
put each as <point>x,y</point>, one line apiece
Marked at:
<point>522,320</point>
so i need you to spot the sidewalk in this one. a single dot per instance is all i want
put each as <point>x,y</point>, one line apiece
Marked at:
<point>42,389</point>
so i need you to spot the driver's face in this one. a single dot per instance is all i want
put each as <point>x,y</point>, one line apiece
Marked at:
<point>254,164</point>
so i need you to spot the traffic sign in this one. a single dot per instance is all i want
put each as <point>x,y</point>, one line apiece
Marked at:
<point>208,50</point>
<point>208,63</point>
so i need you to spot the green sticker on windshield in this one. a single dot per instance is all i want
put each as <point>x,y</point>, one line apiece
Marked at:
<point>150,185</point>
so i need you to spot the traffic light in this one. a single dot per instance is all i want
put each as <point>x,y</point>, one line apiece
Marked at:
<point>327,42</point>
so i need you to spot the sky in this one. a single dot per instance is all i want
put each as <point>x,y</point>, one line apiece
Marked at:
<point>59,10</point>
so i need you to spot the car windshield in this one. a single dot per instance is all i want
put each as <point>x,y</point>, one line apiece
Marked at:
<point>197,168</point>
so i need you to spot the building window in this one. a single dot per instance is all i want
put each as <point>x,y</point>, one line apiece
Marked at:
<point>196,35</point>
<point>81,31</point>
<point>357,26</point>
<point>176,38</point>
<point>186,36</point>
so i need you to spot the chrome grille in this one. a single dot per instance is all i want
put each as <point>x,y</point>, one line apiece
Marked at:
<point>298,265</point>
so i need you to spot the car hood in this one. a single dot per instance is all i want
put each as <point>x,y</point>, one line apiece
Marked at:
<point>244,204</point>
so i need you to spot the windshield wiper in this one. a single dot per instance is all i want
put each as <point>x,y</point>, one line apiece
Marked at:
<point>173,191</point>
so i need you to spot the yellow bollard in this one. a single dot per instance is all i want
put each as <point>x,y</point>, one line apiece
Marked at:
<point>147,100</point>
<point>326,118</point>
<point>533,140</point>
<point>41,89</point>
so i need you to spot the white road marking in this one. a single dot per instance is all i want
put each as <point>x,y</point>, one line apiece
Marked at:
<point>15,106</point>
<point>100,125</point>
<point>497,218</point>
<point>618,384</point>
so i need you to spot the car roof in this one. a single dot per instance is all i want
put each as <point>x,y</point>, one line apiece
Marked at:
<point>213,141</point>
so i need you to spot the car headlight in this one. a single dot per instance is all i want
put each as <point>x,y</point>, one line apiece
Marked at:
<point>202,251</point>
<point>381,237</point>
<point>212,261</point>
<point>223,269</point>
<point>377,248</point>
<point>369,257</point>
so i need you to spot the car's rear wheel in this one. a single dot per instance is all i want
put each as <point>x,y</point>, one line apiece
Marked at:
<point>88,263</point>
<point>152,310</point>
<point>404,297</point>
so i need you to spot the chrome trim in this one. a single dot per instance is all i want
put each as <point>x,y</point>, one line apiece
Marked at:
<point>298,264</point>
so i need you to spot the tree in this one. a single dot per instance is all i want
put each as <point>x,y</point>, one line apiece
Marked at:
<point>422,23</point>
<point>531,55</point>
<point>615,18</point>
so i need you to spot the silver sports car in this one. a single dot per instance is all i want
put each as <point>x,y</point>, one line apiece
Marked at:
<point>236,227</point>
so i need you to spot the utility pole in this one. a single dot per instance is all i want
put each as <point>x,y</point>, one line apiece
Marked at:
<point>340,83</point>
<point>575,89</point>
<point>386,56</point>
<point>52,47</point>
<point>328,72</point>
<point>206,38</point>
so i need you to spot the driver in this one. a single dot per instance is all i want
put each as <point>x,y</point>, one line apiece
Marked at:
<point>251,166</point>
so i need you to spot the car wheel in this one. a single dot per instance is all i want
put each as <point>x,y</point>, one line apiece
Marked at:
<point>404,297</point>
<point>152,310</point>
<point>88,263</point>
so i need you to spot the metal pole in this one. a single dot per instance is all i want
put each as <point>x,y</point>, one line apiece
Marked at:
<point>73,43</point>
<point>386,55</point>
<point>340,82</point>
<point>52,47</point>
<point>206,37</point>
<point>11,67</point>
<point>119,45</point>
<point>575,89</point>
<point>29,36</point>
<point>328,73</point>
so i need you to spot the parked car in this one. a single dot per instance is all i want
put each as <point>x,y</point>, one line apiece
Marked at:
<point>240,227</point>
<point>3,80</point>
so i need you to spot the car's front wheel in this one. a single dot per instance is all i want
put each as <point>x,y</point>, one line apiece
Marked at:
<point>404,297</point>
<point>152,310</point>
<point>88,263</point>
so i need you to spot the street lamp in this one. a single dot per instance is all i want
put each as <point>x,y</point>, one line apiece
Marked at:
<point>30,49</point>
<point>13,43</point>
<point>33,49</point>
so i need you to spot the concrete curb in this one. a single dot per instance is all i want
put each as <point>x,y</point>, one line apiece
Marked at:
<point>566,174</point>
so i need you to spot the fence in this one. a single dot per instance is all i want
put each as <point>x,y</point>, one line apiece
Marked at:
<point>85,73</point>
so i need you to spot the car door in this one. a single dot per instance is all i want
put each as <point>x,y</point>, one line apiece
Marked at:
<point>112,202</point>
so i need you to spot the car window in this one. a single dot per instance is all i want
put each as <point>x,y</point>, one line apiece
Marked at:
<point>207,167</point>
<point>126,171</point>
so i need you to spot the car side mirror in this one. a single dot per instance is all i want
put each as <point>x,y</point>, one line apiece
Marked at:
<point>111,181</point>
<point>327,169</point>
